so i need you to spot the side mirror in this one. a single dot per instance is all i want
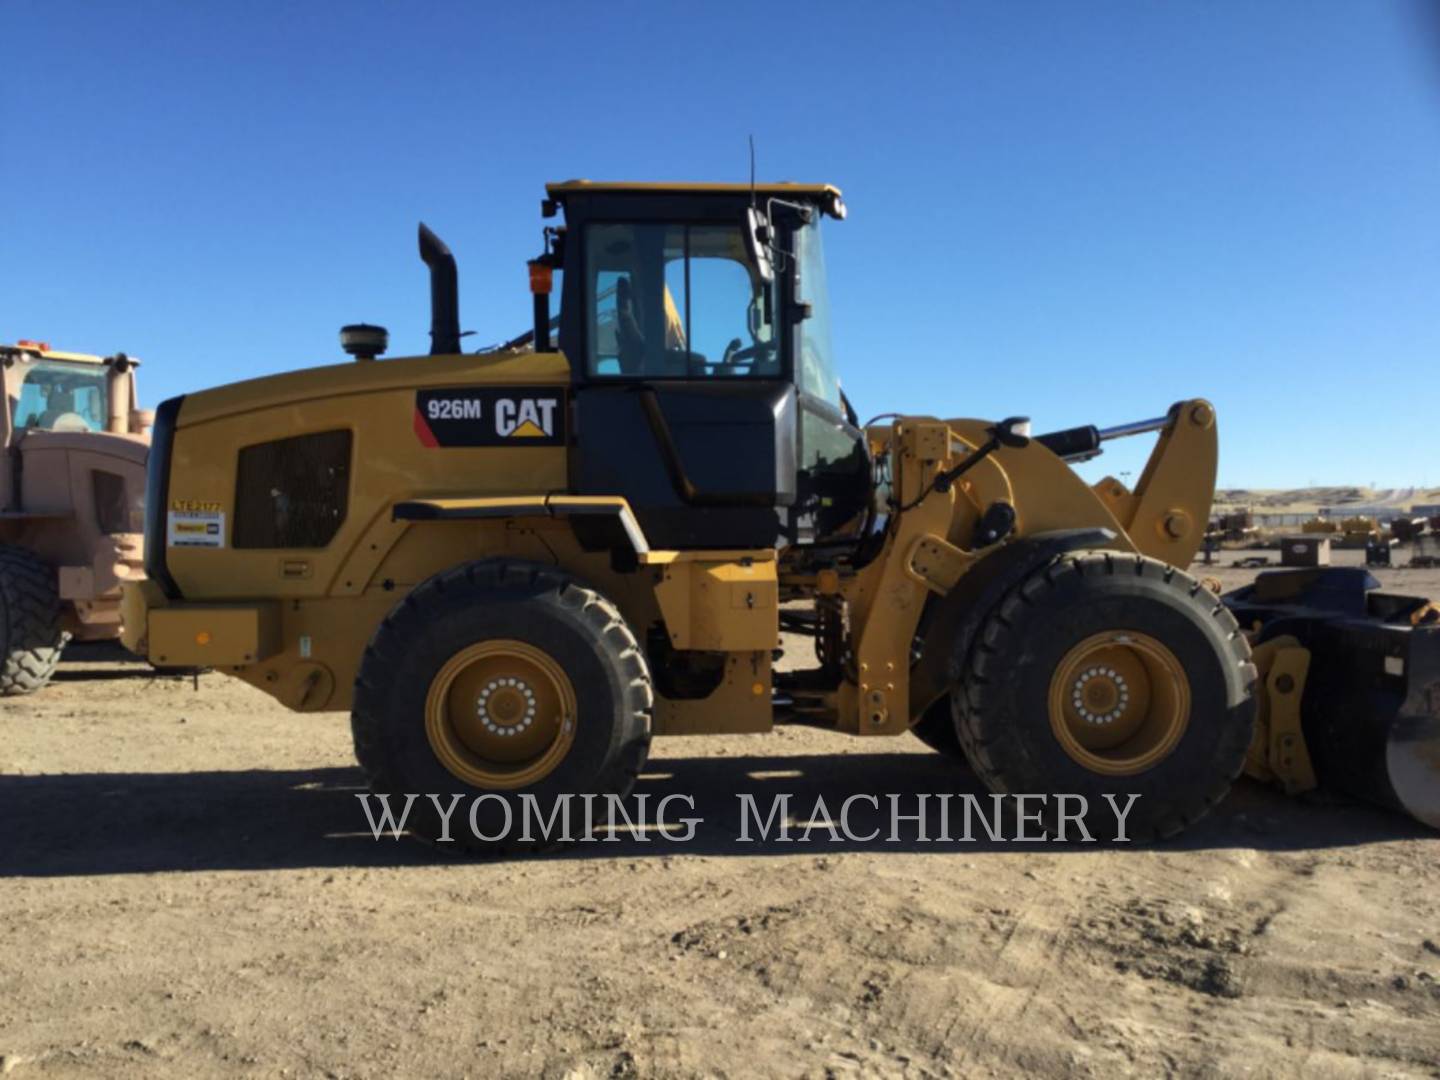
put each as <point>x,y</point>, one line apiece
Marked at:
<point>757,244</point>
<point>1013,431</point>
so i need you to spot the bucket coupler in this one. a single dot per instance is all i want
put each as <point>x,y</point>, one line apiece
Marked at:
<point>1369,685</point>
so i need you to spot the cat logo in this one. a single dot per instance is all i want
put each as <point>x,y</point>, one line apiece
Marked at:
<point>490,416</point>
<point>525,418</point>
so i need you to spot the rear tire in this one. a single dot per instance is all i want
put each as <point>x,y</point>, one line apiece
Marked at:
<point>475,668</point>
<point>31,638</point>
<point>1110,674</point>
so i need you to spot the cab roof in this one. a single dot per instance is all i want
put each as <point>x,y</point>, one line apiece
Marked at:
<point>44,352</point>
<point>825,196</point>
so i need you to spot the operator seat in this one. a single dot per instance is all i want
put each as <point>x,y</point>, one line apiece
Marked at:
<point>60,414</point>
<point>629,340</point>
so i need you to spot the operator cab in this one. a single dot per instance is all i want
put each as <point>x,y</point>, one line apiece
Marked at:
<point>55,391</point>
<point>696,322</point>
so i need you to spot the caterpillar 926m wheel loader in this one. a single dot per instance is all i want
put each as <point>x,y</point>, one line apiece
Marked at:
<point>514,567</point>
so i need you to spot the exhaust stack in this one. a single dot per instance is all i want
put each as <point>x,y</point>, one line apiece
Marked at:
<point>444,294</point>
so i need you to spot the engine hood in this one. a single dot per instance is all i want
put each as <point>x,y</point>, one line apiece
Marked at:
<point>131,448</point>
<point>338,380</point>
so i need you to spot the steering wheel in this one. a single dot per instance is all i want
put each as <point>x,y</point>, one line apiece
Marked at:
<point>735,356</point>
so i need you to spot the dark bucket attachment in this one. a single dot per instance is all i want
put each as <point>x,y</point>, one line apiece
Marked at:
<point>1371,706</point>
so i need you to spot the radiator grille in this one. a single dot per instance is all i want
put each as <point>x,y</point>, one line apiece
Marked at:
<point>292,493</point>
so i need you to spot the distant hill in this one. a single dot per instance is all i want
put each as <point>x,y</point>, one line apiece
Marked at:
<point>1308,500</point>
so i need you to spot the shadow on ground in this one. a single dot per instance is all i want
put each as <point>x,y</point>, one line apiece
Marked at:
<point>122,823</point>
<point>95,661</point>
<point>82,674</point>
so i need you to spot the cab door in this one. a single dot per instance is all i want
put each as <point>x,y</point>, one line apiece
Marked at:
<point>684,405</point>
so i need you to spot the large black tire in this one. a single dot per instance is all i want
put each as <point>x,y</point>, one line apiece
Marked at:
<point>1003,710</point>
<point>31,638</point>
<point>544,608</point>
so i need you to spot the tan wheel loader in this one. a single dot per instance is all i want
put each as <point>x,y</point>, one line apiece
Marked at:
<point>515,567</point>
<point>72,489</point>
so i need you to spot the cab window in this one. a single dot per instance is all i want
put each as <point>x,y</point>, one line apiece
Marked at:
<point>816,366</point>
<point>62,396</point>
<point>676,301</point>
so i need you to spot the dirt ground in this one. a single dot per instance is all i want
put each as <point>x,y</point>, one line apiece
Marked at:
<point>189,888</point>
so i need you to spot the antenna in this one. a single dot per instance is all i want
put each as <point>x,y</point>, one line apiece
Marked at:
<point>752,171</point>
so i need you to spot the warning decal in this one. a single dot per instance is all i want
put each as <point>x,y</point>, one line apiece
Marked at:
<point>491,416</point>
<point>196,528</point>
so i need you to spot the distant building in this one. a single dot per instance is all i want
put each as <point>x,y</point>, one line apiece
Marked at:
<point>1381,514</point>
<point>1279,521</point>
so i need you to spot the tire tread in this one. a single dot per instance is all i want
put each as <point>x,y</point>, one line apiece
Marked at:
<point>598,613</point>
<point>30,622</point>
<point>978,735</point>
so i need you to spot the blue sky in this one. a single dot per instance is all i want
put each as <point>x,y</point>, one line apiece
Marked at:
<point>1081,211</point>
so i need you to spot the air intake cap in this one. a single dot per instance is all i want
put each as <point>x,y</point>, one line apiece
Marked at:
<point>363,341</point>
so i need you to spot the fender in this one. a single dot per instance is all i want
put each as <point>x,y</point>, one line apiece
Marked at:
<point>600,523</point>
<point>581,507</point>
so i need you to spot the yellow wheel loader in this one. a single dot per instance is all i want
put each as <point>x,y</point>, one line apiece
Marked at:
<point>71,490</point>
<point>514,567</point>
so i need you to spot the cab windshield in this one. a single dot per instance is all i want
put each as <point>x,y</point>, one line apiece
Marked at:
<point>60,395</point>
<point>677,301</point>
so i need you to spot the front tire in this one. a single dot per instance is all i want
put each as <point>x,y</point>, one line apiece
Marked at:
<point>1110,674</point>
<point>503,679</point>
<point>31,637</point>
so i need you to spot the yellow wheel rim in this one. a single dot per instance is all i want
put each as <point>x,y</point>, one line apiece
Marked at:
<point>500,714</point>
<point>1119,702</point>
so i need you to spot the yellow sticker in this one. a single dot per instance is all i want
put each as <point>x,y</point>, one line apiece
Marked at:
<point>196,528</point>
